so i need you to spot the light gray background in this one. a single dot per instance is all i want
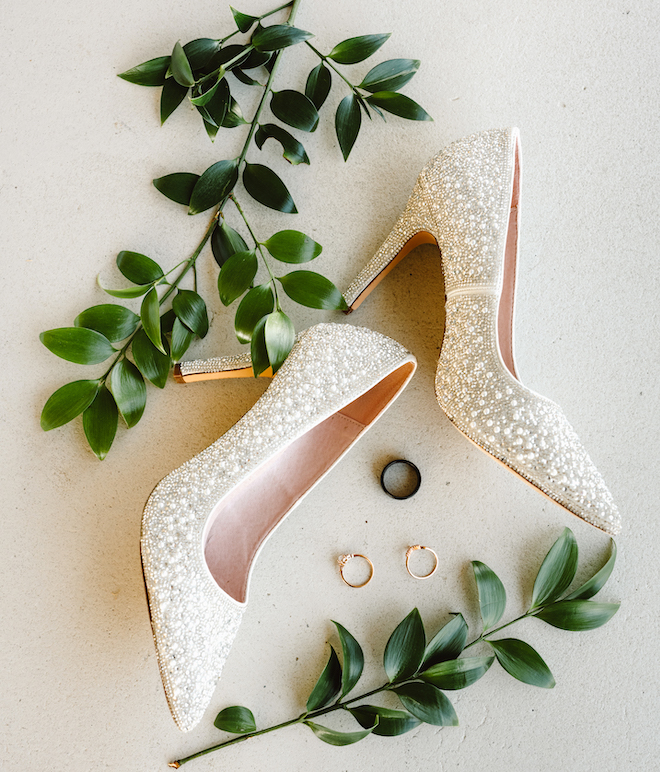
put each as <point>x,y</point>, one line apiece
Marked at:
<point>81,689</point>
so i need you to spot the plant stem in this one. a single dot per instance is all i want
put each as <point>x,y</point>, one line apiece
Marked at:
<point>258,247</point>
<point>302,717</point>
<point>234,741</point>
<point>188,264</point>
<point>337,705</point>
<point>327,61</point>
<point>263,16</point>
<point>224,66</point>
<point>483,635</point>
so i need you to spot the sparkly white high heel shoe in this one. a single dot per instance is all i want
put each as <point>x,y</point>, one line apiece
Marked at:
<point>205,523</point>
<point>466,201</point>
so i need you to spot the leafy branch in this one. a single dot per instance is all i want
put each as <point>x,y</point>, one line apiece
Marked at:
<point>172,315</point>
<point>420,672</point>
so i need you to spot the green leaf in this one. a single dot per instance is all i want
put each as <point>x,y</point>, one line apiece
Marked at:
<point>243,20</point>
<point>391,723</point>
<point>166,322</point>
<point>239,53</point>
<point>390,75</point>
<point>258,302</point>
<point>226,242</point>
<point>427,703</point>
<point>150,318</point>
<point>216,183</point>
<point>236,720</point>
<point>347,124</point>
<point>294,152</point>
<point>200,51</point>
<point>204,97</point>
<point>447,643</point>
<point>295,109</point>
<point>258,352</point>
<point>256,59</point>
<point>211,130</point>
<point>236,275</point>
<point>354,50</point>
<point>267,188</point>
<point>280,335</point>
<point>181,340</point>
<point>180,67</point>
<point>292,247</point>
<point>151,73</point>
<point>151,362</point>
<point>178,186</point>
<point>278,36</point>
<point>115,322</point>
<point>128,389</point>
<point>68,402</point>
<point>328,686</point>
<point>191,310</point>
<point>319,83</point>
<point>312,290</point>
<point>377,110</point>
<point>217,107</point>
<point>245,78</point>
<point>457,673</point>
<point>234,116</point>
<point>400,105</point>
<point>597,581</point>
<point>492,595</point>
<point>557,570</point>
<point>138,268</point>
<point>578,615</point>
<point>405,648</point>
<point>521,661</point>
<point>100,423</point>
<point>353,658</point>
<point>172,95</point>
<point>129,292</point>
<point>78,344</point>
<point>333,737</point>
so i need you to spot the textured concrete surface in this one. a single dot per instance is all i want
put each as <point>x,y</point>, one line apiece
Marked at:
<point>81,689</point>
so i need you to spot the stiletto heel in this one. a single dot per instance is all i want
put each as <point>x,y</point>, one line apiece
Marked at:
<point>466,200</point>
<point>412,229</point>
<point>205,523</point>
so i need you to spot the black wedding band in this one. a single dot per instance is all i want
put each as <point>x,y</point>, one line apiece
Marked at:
<point>415,470</point>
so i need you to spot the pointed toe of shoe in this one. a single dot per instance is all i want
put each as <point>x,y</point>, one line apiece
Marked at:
<point>216,511</point>
<point>194,622</point>
<point>530,435</point>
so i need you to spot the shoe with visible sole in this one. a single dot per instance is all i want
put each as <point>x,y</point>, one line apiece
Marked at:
<point>466,200</point>
<point>205,523</point>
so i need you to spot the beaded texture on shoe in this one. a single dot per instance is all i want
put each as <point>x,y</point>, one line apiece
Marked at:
<point>216,364</point>
<point>463,198</point>
<point>194,621</point>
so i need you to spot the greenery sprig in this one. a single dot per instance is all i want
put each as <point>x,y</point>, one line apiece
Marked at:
<point>172,316</point>
<point>420,672</point>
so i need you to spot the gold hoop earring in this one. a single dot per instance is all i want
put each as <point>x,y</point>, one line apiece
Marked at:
<point>410,551</point>
<point>343,560</point>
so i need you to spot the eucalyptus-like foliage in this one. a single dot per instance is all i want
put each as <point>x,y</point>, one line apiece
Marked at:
<point>419,674</point>
<point>204,72</point>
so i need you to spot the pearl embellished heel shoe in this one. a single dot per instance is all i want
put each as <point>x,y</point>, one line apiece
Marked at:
<point>466,200</point>
<point>205,523</point>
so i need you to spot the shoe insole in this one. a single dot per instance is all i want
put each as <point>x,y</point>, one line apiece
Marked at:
<point>244,518</point>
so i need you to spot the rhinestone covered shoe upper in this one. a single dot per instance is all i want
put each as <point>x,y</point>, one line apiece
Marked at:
<point>464,199</point>
<point>194,620</point>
